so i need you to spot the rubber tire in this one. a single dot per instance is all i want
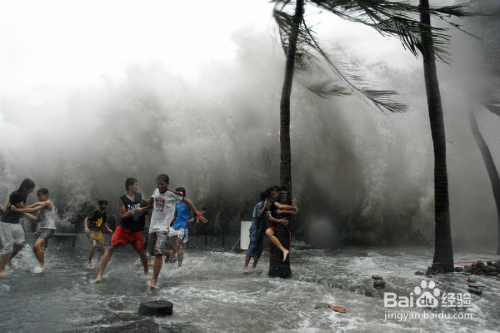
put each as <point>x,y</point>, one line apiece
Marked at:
<point>156,308</point>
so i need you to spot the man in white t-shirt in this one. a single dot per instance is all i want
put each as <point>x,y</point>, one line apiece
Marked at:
<point>163,203</point>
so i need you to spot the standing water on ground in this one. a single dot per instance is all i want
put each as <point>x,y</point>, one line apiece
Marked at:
<point>210,293</point>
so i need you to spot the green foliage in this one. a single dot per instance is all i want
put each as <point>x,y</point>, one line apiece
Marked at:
<point>394,19</point>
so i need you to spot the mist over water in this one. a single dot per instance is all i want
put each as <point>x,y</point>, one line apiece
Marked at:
<point>360,175</point>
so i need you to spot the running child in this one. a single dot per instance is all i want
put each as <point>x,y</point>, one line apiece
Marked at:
<point>46,227</point>
<point>11,231</point>
<point>95,224</point>
<point>179,228</point>
<point>163,201</point>
<point>133,219</point>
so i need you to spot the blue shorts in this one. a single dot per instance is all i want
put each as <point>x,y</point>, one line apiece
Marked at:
<point>256,246</point>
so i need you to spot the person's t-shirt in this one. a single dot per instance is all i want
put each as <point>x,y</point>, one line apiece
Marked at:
<point>258,224</point>
<point>47,218</point>
<point>163,211</point>
<point>183,215</point>
<point>96,220</point>
<point>130,223</point>
<point>10,216</point>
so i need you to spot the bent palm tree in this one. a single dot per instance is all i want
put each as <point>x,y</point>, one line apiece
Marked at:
<point>488,161</point>
<point>299,44</point>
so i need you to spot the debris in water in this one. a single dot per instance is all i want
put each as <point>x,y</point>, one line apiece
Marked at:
<point>475,291</point>
<point>476,285</point>
<point>322,306</point>
<point>340,309</point>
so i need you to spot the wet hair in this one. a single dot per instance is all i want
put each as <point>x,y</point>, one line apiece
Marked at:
<point>162,177</point>
<point>182,190</point>
<point>268,192</point>
<point>263,196</point>
<point>26,185</point>
<point>129,182</point>
<point>43,191</point>
<point>103,201</point>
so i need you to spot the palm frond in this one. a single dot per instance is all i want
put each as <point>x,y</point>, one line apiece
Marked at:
<point>389,18</point>
<point>493,106</point>
<point>396,19</point>
<point>310,57</point>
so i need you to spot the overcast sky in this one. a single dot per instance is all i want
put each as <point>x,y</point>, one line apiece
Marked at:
<point>62,44</point>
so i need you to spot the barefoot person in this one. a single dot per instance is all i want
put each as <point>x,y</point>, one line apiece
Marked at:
<point>133,219</point>
<point>46,227</point>
<point>275,209</point>
<point>179,229</point>
<point>95,224</point>
<point>11,231</point>
<point>163,200</point>
<point>256,233</point>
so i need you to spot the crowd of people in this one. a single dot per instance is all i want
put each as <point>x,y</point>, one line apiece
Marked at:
<point>170,218</point>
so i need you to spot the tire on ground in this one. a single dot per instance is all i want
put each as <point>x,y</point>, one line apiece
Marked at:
<point>156,308</point>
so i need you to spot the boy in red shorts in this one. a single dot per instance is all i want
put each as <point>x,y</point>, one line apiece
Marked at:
<point>133,218</point>
<point>274,211</point>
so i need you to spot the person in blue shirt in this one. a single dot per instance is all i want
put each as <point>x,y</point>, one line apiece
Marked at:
<point>257,231</point>
<point>179,228</point>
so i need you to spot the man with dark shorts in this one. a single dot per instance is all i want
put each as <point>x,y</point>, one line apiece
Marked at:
<point>133,219</point>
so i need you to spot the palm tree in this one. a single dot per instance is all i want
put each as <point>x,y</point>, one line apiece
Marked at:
<point>488,161</point>
<point>276,266</point>
<point>302,50</point>
<point>443,251</point>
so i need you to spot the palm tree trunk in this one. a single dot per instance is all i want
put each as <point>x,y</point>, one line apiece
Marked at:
<point>276,266</point>
<point>443,253</point>
<point>490,167</point>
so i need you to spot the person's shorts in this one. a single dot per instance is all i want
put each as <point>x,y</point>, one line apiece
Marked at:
<point>45,234</point>
<point>10,234</point>
<point>123,236</point>
<point>97,235</point>
<point>256,246</point>
<point>274,232</point>
<point>179,233</point>
<point>156,242</point>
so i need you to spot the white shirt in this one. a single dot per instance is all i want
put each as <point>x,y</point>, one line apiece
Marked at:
<point>164,209</point>
<point>47,218</point>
